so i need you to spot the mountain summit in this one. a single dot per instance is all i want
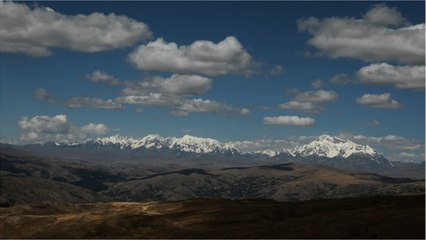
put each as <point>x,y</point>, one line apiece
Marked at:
<point>330,147</point>
<point>186,143</point>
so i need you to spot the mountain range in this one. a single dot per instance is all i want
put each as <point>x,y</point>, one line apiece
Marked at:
<point>163,169</point>
<point>324,146</point>
<point>27,177</point>
<point>189,150</point>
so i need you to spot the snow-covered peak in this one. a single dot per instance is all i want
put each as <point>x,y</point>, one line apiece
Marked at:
<point>115,139</point>
<point>190,143</point>
<point>328,146</point>
<point>323,146</point>
<point>328,138</point>
<point>154,141</point>
<point>198,140</point>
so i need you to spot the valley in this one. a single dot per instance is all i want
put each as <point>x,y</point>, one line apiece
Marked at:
<point>389,217</point>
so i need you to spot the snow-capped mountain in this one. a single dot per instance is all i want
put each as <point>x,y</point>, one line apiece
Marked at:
<point>330,147</point>
<point>326,150</point>
<point>340,153</point>
<point>186,143</point>
<point>325,146</point>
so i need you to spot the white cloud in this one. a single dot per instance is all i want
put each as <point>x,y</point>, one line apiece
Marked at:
<point>45,124</point>
<point>382,15</point>
<point>201,58</point>
<point>41,93</point>
<point>261,144</point>
<point>182,106</point>
<point>277,70</point>
<point>407,155</point>
<point>412,147</point>
<point>403,77</point>
<point>368,39</point>
<point>318,96</point>
<point>289,120</point>
<point>310,101</point>
<point>173,93</point>
<point>317,84</point>
<point>390,141</point>
<point>245,111</point>
<point>307,107</point>
<point>34,31</point>
<point>182,85</point>
<point>39,129</point>
<point>151,99</point>
<point>101,76</point>
<point>97,129</point>
<point>210,106</point>
<point>378,101</point>
<point>340,79</point>
<point>77,102</point>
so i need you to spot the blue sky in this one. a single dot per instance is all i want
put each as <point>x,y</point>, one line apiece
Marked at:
<point>257,84</point>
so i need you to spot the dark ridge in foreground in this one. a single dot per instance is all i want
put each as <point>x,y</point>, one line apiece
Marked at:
<point>398,217</point>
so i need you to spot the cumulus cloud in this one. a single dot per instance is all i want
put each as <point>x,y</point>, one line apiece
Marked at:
<point>151,100</point>
<point>318,96</point>
<point>77,102</point>
<point>45,124</point>
<point>35,31</point>
<point>244,111</point>
<point>97,129</point>
<point>390,141</point>
<point>42,94</point>
<point>403,77</point>
<point>289,120</point>
<point>378,101</point>
<point>310,101</point>
<point>99,76</point>
<point>307,107</point>
<point>317,84</point>
<point>40,129</point>
<point>371,38</point>
<point>340,79</point>
<point>182,106</point>
<point>382,15</point>
<point>277,70</point>
<point>177,84</point>
<point>210,106</point>
<point>201,58</point>
<point>262,144</point>
<point>174,92</point>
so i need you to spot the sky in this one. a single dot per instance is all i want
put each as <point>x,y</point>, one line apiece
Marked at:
<point>257,74</point>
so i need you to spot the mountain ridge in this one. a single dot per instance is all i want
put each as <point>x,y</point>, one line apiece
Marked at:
<point>325,146</point>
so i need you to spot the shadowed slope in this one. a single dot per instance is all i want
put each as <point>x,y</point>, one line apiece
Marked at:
<point>371,217</point>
